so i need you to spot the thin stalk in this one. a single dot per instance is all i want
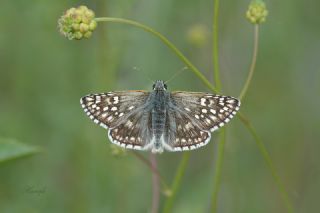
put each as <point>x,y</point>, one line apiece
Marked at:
<point>155,185</point>
<point>215,53</point>
<point>253,62</point>
<point>176,183</point>
<point>165,41</point>
<point>153,169</point>
<point>218,170</point>
<point>269,163</point>
<point>221,145</point>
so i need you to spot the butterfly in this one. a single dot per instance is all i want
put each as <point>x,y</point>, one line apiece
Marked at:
<point>160,120</point>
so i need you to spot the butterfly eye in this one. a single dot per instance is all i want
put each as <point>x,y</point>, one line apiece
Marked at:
<point>165,86</point>
<point>153,86</point>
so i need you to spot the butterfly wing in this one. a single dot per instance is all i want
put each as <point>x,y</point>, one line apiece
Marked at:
<point>194,115</point>
<point>183,132</point>
<point>124,113</point>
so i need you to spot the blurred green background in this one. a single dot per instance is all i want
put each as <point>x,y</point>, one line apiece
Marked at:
<point>43,76</point>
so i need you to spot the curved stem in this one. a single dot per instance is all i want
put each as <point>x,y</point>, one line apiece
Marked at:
<point>269,163</point>
<point>253,61</point>
<point>218,168</point>
<point>155,185</point>
<point>215,48</point>
<point>165,41</point>
<point>176,183</point>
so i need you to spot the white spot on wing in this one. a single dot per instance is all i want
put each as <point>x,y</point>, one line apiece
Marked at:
<point>116,99</point>
<point>202,101</point>
<point>213,111</point>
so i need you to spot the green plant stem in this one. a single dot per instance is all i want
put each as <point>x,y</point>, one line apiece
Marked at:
<point>253,62</point>
<point>215,53</point>
<point>218,170</point>
<point>176,183</point>
<point>269,163</point>
<point>165,41</point>
<point>221,145</point>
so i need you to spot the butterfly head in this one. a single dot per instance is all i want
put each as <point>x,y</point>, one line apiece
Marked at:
<point>159,85</point>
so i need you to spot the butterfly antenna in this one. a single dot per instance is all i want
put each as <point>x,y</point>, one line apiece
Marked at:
<point>145,74</point>
<point>176,74</point>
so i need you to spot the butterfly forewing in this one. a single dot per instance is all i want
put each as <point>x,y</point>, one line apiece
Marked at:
<point>198,114</point>
<point>121,112</point>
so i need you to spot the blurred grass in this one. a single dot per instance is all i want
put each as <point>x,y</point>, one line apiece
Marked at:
<point>11,149</point>
<point>43,76</point>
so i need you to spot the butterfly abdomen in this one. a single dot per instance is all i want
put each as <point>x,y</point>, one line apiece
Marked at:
<point>158,122</point>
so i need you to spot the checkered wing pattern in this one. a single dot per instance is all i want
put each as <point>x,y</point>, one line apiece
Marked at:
<point>123,113</point>
<point>194,115</point>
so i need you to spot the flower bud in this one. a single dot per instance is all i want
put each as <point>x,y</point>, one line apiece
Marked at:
<point>257,12</point>
<point>83,28</point>
<point>77,23</point>
<point>92,25</point>
<point>87,34</point>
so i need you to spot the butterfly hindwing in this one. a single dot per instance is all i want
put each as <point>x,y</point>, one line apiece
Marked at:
<point>134,132</point>
<point>187,134</point>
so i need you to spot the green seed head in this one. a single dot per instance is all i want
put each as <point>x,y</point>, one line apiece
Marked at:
<point>92,25</point>
<point>257,12</point>
<point>77,23</point>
